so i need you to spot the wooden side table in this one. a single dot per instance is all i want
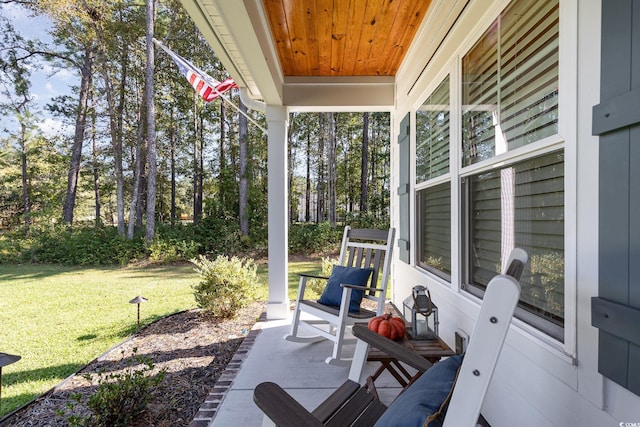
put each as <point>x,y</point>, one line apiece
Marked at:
<point>423,354</point>
<point>432,350</point>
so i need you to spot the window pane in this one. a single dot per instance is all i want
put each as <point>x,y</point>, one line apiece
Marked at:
<point>529,72</point>
<point>510,82</point>
<point>434,238</point>
<point>480,98</point>
<point>432,135</point>
<point>521,205</point>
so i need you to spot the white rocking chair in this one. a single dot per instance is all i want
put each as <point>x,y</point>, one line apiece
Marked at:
<point>355,405</point>
<point>361,248</point>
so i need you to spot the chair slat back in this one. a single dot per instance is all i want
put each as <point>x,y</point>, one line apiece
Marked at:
<point>369,248</point>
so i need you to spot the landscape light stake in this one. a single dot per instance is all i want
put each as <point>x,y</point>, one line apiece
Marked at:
<point>6,359</point>
<point>138,300</point>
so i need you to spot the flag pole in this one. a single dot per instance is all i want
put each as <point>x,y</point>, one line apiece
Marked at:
<point>168,51</point>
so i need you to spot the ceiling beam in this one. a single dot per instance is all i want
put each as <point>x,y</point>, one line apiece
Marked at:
<point>339,93</point>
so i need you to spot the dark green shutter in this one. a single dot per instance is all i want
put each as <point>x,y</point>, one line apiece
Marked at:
<point>616,311</point>
<point>403,190</point>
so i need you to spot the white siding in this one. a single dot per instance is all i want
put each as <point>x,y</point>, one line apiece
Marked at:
<point>539,381</point>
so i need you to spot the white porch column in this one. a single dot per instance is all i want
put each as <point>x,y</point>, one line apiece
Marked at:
<point>278,212</point>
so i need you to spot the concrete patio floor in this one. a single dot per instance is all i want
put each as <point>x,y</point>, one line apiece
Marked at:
<point>298,368</point>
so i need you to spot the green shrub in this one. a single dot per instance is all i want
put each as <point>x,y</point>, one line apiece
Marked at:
<point>318,285</point>
<point>172,250</point>
<point>313,238</point>
<point>367,220</point>
<point>84,246</point>
<point>12,245</point>
<point>119,398</point>
<point>226,286</point>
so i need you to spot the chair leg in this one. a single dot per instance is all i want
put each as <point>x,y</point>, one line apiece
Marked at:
<point>336,358</point>
<point>295,323</point>
<point>295,326</point>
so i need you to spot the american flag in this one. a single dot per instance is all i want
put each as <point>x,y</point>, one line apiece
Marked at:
<point>206,86</point>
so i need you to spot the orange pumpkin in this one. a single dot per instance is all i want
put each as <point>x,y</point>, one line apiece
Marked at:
<point>388,326</point>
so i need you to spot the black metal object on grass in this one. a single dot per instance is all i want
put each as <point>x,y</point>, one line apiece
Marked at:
<point>6,359</point>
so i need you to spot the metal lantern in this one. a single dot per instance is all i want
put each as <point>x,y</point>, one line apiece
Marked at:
<point>419,309</point>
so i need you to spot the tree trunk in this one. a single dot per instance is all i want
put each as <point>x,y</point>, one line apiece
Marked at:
<point>78,138</point>
<point>115,128</point>
<point>331,163</point>
<point>142,183</point>
<point>25,179</point>
<point>197,204</point>
<point>201,167</point>
<point>135,214</point>
<point>290,173</point>
<point>172,150</point>
<point>151,127</point>
<point>117,134</point>
<point>364,172</point>
<point>243,140</point>
<point>307,190</point>
<point>223,160</point>
<point>95,164</point>
<point>321,186</point>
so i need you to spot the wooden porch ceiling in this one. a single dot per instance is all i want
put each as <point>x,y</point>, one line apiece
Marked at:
<point>328,38</point>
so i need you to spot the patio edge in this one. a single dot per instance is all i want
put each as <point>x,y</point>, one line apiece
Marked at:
<point>209,408</point>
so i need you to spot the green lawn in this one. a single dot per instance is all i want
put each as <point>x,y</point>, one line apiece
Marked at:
<point>60,318</point>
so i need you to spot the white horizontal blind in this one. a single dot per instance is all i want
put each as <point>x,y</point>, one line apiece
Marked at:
<point>522,204</point>
<point>510,82</point>
<point>529,72</point>
<point>434,201</point>
<point>434,205</point>
<point>432,134</point>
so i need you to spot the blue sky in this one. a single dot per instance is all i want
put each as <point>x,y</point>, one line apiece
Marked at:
<point>45,85</point>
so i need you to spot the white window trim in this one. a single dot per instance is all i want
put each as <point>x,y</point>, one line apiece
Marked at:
<point>565,139</point>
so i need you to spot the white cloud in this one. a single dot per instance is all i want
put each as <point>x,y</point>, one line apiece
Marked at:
<point>49,86</point>
<point>62,74</point>
<point>51,127</point>
<point>28,24</point>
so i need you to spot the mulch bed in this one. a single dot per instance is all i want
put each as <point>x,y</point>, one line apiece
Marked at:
<point>193,348</point>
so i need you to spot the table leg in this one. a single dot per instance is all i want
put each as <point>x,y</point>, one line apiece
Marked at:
<point>359,359</point>
<point>389,366</point>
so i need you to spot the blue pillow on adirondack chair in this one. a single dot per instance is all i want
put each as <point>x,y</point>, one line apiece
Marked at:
<point>332,294</point>
<point>424,403</point>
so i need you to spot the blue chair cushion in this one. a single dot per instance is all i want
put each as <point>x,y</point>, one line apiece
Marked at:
<point>332,294</point>
<point>427,396</point>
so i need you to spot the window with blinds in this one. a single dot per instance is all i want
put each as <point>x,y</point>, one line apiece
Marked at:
<point>434,231</point>
<point>508,99</point>
<point>432,134</point>
<point>521,205</point>
<point>510,82</point>
<point>434,199</point>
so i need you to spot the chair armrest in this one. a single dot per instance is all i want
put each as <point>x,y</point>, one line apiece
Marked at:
<point>312,276</point>
<point>392,348</point>
<point>362,288</point>
<point>281,408</point>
